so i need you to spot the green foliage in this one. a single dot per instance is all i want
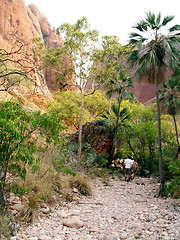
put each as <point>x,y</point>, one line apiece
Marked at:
<point>58,62</point>
<point>69,171</point>
<point>20,190</point>
<point>171,99</point>
<point>96,104</point>
<point>174,167</point>
<point>173,188</point>
<point>22,135</point>
<point>101,160</point>
<point>140,139</point>
<point>67,106</point>
<point>109,59</point>
<point>154,52</point>
<point>151,52</point>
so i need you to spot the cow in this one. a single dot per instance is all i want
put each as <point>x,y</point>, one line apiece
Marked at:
<point>128,166</point>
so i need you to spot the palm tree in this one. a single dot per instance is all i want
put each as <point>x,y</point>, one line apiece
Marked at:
<point>119,87</point>
<point>170,95</point>
<point>115,120</point>
<point>155,52</point>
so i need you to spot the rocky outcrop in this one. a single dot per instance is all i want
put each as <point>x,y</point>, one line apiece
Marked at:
<point>97,135</point>
<point>15,17</point>
<point>25,23</point>
<point>19,24</point>
<point>50,36</point>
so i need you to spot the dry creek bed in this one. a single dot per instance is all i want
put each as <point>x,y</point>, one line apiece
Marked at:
<point>121,210</point>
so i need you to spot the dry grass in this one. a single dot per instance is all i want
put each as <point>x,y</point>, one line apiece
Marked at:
<point>47,185</point>
<point>81,183</point>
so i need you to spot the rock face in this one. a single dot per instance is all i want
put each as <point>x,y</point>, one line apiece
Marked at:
<point>95,134</point>
<point>27,23</point>
<point>15,17</point>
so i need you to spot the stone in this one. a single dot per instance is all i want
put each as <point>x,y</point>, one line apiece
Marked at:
<point>14,212</point>
<point>160,221</point>
<point>25,200</point>
<point>95,220</point>
<point>124,236</point>
<point>95,230</point>
<point>44,237</point>
<point>73,222</point>
<point>17,207</point>
<point>75,190</point>
<point>45,210</point>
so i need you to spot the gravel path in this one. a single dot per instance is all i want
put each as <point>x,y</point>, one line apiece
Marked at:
<point>120,210</point>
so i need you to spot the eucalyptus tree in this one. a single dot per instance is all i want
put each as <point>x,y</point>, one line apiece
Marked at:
<point>79,43</point>
<point>154,51</point>
<point>170,96</point>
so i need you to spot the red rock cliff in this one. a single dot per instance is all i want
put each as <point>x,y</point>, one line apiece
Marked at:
<point>27,23</point>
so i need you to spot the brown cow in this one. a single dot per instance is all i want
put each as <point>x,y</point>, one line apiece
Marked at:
<point>128,166</point>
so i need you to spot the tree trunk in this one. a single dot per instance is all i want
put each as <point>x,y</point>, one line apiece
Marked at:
<point>161,170</point>
<point>111,157</point>
<point>176,129</point>
<point>109,108</point>
<point>2,201</point>
<point>3,173</point>
<point>80,127</point>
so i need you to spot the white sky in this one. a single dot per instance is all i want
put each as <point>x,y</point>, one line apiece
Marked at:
<point>109,17</point>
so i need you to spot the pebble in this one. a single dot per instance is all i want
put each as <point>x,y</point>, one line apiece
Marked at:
<point>119,211</point>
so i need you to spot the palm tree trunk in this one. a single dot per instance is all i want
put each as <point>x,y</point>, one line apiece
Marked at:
<point>79,153</point>
<point>176,129</point>
<point>161,171</point>
<point>2,201</point>
<point>110,103</point>
<point>111,157</point>
<point>3,173</point>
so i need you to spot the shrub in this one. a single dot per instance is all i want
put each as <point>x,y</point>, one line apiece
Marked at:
<point>23,134</point>
<point>173,188</point>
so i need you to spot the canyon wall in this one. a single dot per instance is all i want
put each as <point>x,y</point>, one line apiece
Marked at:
<point>24,23</point>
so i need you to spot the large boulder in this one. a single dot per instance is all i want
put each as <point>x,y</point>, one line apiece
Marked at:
<point>97,135</point>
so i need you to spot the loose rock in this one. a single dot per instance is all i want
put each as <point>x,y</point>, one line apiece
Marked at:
<point>119,211</point>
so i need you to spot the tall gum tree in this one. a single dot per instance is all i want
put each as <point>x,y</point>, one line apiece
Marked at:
<point>155,49</point>
<point>79,43</point>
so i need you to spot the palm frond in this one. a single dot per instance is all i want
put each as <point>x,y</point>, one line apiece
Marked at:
<point>133,41</point>
<point>134,34</point>
<point>133,58</point>
<point>151,19</point>
<point>139,27</point>
<point>115,110</point>
<point>167,19</point>
<point>174,28</point>
<point>158,18</point>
